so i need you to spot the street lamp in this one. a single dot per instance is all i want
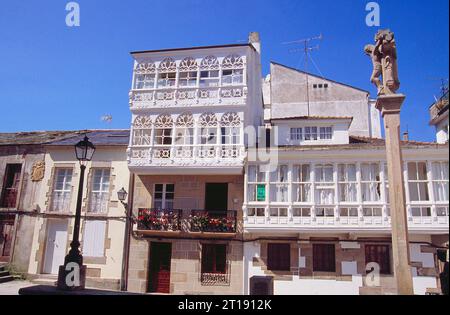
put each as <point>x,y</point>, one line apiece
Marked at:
<point>122,195</point>
<point>72,274</point>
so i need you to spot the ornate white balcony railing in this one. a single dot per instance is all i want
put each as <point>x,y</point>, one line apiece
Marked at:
<point>187,155</point>
<point>430,216</point>
<point>188,97</point>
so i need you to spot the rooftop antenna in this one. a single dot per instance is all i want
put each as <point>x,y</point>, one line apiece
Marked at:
<point>306,49</point>
<point>444,86</point>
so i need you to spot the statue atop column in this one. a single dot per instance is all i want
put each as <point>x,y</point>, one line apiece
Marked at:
<point>384,59</point>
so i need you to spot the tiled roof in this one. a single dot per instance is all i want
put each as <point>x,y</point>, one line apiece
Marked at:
<point>34,137</point>
<point>98,137</point>
<point>363,143</point>
<point>314,118</point>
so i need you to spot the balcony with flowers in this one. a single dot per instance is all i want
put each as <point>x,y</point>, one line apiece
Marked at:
<point>157,221</point>
<point>223,223</point>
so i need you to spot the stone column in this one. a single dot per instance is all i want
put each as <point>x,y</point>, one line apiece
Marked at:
<point>390,106</point>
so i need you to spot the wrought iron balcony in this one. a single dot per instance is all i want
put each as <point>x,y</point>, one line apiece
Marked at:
<point>159,220</point>
<point>213,221</point>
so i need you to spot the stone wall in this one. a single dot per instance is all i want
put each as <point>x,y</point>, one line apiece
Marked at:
<point>185,269</point>
<point>349,278</point>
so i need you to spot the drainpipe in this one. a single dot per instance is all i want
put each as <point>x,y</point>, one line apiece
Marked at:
<point>128,230</point>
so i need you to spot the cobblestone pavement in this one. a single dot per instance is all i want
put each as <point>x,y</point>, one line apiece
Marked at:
<point>12,288</point>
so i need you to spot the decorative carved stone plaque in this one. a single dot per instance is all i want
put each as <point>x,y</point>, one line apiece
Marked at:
<point>37,172</point>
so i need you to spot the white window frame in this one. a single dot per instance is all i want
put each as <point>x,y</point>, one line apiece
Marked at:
<point>279,184</point>
<point>164,200</point>
<point>322,185</point>
<point>440,181</point>
<point>253,185</point>
<point>100,204</point>
<point>345,185</point>
<point>300,188</point>
<point>64,194</point>
<point>419,183</point>
<point>144,81</point>
<point>373,183</point>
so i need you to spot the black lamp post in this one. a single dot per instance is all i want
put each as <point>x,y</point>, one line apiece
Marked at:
<point>72,274</point>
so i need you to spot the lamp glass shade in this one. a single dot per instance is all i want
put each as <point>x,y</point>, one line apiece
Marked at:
<point>84,150</point>
<point>122,194</point>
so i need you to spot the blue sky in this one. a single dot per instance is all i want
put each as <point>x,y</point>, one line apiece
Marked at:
<point>56,77</point>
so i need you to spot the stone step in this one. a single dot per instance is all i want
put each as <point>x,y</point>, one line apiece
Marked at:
<point>6,279</point>
<point>4,273</point>
<point>45,281</point>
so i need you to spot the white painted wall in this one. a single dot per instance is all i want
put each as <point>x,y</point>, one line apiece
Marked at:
<point>332,287</point>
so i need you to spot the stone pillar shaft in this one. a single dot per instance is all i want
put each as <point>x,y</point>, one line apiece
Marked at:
<point>390,109</point>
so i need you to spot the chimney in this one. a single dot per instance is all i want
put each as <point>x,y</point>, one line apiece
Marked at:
<point>253,38</point>
<point>406,136</point>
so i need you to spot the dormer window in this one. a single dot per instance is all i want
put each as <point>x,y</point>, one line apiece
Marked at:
<point>311,133</point>
<point>326,133</point>
<point>296,134</point>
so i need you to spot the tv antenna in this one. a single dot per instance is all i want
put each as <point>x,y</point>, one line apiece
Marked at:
<point>106,118</point>
<point>443,88</point>
<point>307,49</point>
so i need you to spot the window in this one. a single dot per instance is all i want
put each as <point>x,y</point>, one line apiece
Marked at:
<point>418,181</point>
<point>167,73</point>
<point>278,212</point>
<point>62,189</point>
<point>372,212</point>
<point>421,212</point>
<point>326,133</point>
<point>279,185</point>
<point>370,182</point>
<point>145,81</point>
<point>208,134</point>
<point>163,134</point>
<point>232,76</point>
<point>440,180</point>
<point>324,258</point>
<point>231,129</point>
<point>279,257</point>
<point>209,72</point>
<point>142,131</point>
<point>145,76</point>
<point>188,73</point>
<point>184,135</point>
<point>256,184</point>
<point>164,196</point>
<point>324,184</point>
<point>325,212</point>
<point>214,258</point>
<point>301,183</point>
<point>347,183</point>
<point>296,134</point>
<point>348,212</point>
<point>11,184</point>
<point>310,133</point>
<point>99,198</point>
<point>379,254</point>
<point>301,212</point>
<point>94,238</point>
<point>256,212</point>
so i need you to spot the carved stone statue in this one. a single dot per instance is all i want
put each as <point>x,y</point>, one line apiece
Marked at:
<point>37,171</point>
<point>384,59</point>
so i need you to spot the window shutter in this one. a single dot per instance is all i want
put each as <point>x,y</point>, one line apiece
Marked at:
<point>94,238</point>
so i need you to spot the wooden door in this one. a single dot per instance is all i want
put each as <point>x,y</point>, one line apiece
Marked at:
<point>159,267</point>
<point>55,247</point>
<point>6,236</point>
<point>11,185</point>
<point>216,197</point>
